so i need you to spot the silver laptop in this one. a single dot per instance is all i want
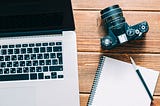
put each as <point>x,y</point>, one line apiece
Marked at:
<point>38,54</point>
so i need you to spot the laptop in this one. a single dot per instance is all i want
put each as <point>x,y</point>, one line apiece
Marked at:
<point>38,54</point>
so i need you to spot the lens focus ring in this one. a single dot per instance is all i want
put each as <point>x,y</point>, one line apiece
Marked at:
<point>112,16</point>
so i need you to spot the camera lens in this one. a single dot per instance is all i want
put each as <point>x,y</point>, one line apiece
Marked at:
<point>112,16</point>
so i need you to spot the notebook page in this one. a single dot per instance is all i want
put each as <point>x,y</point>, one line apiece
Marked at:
<point>119,85</point>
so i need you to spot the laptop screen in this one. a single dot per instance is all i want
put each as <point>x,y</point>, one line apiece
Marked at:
<point>31,15</point>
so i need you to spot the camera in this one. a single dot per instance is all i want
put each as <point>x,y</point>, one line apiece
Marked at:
<point>118,30</point>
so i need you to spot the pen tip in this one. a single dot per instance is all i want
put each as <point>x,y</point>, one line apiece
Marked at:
<point>131,59</point>
<point>133,63</point>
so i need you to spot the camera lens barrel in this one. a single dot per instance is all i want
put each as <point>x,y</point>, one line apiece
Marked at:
<point>112,16</point>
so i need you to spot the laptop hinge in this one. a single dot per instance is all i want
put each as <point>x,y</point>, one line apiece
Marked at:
<point>30,33</point>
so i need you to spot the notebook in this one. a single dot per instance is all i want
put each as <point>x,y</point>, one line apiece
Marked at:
<point>38,53</point>
<point>117,84</point>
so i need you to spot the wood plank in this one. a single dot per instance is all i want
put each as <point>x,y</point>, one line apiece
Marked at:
<point>89,31</point>
<point>125,4</point>
<point>88,63</point>
<point>84,100</point>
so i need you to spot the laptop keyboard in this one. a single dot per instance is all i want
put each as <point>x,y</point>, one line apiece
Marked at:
<point>33,61</point>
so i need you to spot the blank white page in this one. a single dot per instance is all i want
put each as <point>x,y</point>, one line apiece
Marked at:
<point>119,85</point>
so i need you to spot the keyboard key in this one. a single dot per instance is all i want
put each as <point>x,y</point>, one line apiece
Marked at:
<point>16,51</point>
<point>40,76</point>
<point>45,69</point>
<point>60,76</point>
<point>46,56</point>
<point>4,52</point>
<point>58,43</point>
<point>48,62</point>
<point>31,45</point>
<point>36,50</point>
<point>9,64</point>
<point>33,76</point>
<point>11,46</point>
<point>18,45</point>
<point>20,57</point>
<point>1,58</point>
<point>38,44</point>
<point>28,63</point>
<point>25,69</point>
<point>22,63</point>
<point>57,49</point>
<point>59,56</point>
<point>15,64</point>
<point>49,49</point>
<point>47,77</point>
<point>10,51</point>
<point>12,70</point>
<point>41,62</point>
<point>35,63</point>
<point>4,46</point>
<point>52,55</point>
<point>54,62</point>
<point>33,56</point>
<point>51,44</point>
<point>14,57</point>
<point>19,70</point>
<point>32,69</point>
<point>6,71</point>
<point>29,50</point>
<point>23,50</point>
<point>7,58</point>
<point>14,77</point>
<point>54,75</point>
<point>26,57</point>
<point>56,68</point>
<point>42,49</point>
<point>38,69</point>
<point>45,44</point>
<point>1,71</point>
<point>24,45</point>
<point>39,56</point>
<point>3,64</point>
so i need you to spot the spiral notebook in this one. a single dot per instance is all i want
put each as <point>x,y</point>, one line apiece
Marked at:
<point>117,84</point>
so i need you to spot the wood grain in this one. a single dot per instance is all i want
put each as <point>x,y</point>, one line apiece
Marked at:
<point>124,4</point>
<point>89,31</point>
<point>84,100</point>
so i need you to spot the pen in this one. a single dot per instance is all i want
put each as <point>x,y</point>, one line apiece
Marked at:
<point>141,78</point>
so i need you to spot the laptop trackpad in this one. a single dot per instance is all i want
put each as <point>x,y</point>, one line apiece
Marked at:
<point>22,96</point>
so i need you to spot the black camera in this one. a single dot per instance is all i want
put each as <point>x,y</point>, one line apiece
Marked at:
<point>118,30</point>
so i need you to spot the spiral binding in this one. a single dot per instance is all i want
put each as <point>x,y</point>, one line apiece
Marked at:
<point>96,80</point>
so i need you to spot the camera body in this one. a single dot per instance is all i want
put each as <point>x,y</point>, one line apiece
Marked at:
<point>118,30</point>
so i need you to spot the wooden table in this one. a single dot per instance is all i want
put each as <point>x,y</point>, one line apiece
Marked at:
<point>146,52</point>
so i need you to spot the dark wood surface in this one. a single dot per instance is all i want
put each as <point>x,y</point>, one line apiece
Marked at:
<point>89,29</point>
